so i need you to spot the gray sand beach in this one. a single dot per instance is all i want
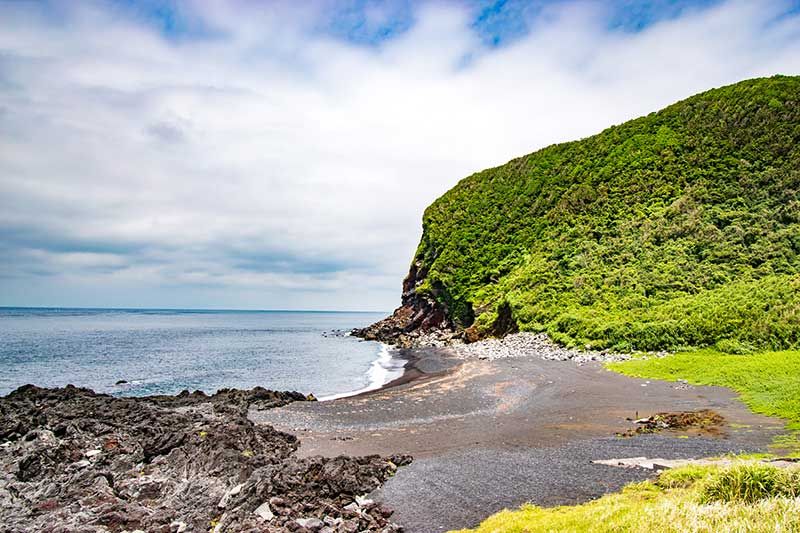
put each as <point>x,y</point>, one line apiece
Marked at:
<point>493,434</point>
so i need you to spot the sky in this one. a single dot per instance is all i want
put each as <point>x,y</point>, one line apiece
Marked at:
<point>279,155</point>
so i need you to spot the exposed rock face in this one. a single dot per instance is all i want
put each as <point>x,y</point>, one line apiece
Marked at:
<point>74,460</point>
<point>417,317</point>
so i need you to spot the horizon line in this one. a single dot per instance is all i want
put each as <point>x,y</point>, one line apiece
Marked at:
<point>196,309</point>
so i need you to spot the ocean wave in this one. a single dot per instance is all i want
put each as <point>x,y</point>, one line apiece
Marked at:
<point>384,369</point>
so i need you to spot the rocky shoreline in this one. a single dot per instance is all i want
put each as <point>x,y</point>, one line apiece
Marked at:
<point>74,460</point>
<point>513,345</point>
<point>531,345</point>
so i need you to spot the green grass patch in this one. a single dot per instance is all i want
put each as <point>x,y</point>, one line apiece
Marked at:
<point>693,498</point>
<point>768,382</point>
<point>750,483</point>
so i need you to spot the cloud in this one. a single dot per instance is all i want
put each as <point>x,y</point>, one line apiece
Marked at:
<point>269,155</point>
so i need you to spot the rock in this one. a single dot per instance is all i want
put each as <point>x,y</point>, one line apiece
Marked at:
<point>331,521</point>
<point>264,511</point>
<point>310,523</point>
<point>417,314</point>
<point>88,461</point>
<point>277,502</point>
<point>528,344</point>
<point>349,526</point>
<point>363,501</point>
<point>223,502</point>
<point>471,335</point>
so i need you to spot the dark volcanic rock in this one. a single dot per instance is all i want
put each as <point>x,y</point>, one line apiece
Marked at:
<point>75,460</point>
<point>418,315</point>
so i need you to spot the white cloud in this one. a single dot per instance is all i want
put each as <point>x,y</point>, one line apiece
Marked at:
<point>272,166</point>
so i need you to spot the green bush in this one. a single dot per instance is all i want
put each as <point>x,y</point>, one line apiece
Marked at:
<point>681,228</point>
<point>750,483</point>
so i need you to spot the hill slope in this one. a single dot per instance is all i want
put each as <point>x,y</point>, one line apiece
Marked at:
<point>681,228</point>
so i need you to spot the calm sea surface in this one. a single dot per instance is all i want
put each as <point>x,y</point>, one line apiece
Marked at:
<point>166,351</point>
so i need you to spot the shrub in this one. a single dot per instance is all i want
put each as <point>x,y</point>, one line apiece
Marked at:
<point>750,483</point>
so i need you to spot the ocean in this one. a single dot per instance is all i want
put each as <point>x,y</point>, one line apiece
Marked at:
<point>158,351</point>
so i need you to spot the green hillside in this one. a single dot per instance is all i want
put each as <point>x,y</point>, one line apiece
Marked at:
<point>681,228</point>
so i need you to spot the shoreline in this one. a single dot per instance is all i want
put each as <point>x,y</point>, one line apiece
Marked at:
<point>422,364</point>
<point>419,364</point>
<point>492,434</point>
<point>485,434</point>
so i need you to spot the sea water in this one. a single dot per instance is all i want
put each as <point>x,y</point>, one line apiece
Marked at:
<point>166,351</point>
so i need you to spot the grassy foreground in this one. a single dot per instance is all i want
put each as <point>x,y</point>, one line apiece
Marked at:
<point>701,499</point>
<point>742,498</point>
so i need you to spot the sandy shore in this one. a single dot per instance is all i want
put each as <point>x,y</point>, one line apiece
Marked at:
<point>491,434</point>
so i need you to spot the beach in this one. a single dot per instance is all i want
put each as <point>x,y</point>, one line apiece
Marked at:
<point>493,434</point>
<point>458,433</point>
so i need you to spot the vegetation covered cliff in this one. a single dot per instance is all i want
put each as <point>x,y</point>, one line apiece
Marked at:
<point>681,228</point>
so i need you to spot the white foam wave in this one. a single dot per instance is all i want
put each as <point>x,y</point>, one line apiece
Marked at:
<point>383,370</point>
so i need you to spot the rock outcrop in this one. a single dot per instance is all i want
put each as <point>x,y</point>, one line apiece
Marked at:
<point>74,460</point>
<point>418,318</point>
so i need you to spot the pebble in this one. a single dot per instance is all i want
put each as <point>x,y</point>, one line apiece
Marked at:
<point>264,511</point>
<point>527,344</point>
<point>363,501</point>
<point>310,523</point>
<point>226,498</point>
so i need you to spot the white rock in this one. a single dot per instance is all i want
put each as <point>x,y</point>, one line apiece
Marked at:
<point>92,453</point>
<point>310,523</point>
<point>363,501</point>
<point>223,502</point>
<point>180,527</point>
<point>83,463</point>
<point>264,511</point>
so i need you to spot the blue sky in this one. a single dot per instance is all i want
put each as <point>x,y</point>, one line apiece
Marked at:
<point>498,22</point>
<point>257,155</point>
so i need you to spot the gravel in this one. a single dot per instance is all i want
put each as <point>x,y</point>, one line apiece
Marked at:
<point>461,489</point>
<point>531,345</point>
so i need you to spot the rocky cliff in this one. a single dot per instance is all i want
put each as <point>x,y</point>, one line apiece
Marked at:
<point>418,316</point>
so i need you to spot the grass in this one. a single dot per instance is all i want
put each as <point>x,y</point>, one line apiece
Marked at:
<point>768,382</point>
<point>750,484</point>
<point>699,499</point>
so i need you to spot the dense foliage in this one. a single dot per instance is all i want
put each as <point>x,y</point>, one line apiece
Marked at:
<point>681,228</point>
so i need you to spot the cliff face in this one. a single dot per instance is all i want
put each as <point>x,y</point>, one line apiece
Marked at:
<point>418,314</point>
<point>681,228</point>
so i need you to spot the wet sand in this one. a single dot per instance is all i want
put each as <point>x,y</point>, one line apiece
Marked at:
<point>487,435</point>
